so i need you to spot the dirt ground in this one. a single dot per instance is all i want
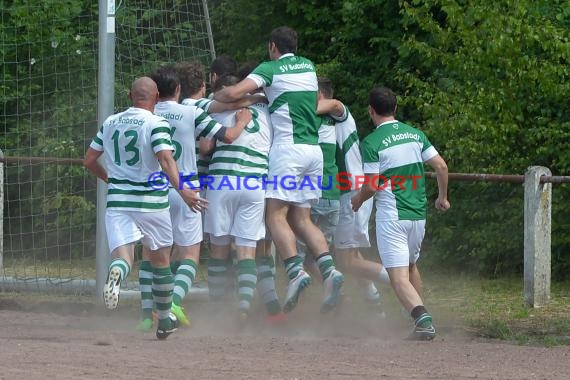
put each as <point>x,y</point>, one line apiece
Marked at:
<point>80,341</point>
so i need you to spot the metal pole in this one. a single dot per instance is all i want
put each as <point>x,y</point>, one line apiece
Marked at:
<point>209,29</point>
<point>105,106</point>
<point>1,215</point>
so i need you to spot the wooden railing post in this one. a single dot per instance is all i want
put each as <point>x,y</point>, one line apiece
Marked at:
<point>537,229</point>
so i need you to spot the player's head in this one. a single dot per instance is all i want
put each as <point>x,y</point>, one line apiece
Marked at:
<point>326,89</point>
<point>246,69</point>
<point>223,64</point>
<point>382,101</point>
<point>225,81</point>
<point>144,93</point>
<point>166,79</point>
<point>282,40</point>
<point>192,79</point>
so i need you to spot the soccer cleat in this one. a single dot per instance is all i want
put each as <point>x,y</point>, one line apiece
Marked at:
<point>162,334</point>
<point>178,311</point>
<point>423,333</point>
<point>112,289</point>
<point>145,325</point>
<point>423,329</point>
<point>296,285</point>
<point>333,284</point>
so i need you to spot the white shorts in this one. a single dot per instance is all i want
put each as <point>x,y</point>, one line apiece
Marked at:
<point>399,241</point>
<point>186,224</point>
<point>352,228</point>
<point>294,172</point>
<point>239,213</point>
<point>154,229</point>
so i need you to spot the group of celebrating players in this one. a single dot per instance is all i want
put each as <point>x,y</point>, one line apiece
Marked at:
<point>263,121</point>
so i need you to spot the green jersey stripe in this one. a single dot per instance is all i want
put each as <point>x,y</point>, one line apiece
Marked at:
<point>160,130</point>
<point>151,193</point>
<point>238,161</point>
<point>235,173</point>
<point>235,148</point>
<point>140,205</point>
<point>116,181</point>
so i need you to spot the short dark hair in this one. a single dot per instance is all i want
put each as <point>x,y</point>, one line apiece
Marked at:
<point>285,39</point>
<point>192,77</point>
<point>224,64</point>
<point>383,101</point>
<point>166,79</point>
<point>326,87</point>
<point>224,81</point>
<point>246,69</point>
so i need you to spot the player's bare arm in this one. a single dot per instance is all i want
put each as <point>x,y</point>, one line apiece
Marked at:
<point>236,92</point>
<point>243,117</point>
<point>90,163</point>
<point>206,145</point>
<point>366,192</point>
<point>438,164</point>
<point>190,196</point>
<point>330,107</point>
<point>248,100</point>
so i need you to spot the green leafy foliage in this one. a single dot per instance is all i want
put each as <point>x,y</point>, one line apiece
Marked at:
<point>487,81</point>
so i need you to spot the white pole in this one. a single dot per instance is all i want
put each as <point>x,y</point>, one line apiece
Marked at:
<point>105,106</point>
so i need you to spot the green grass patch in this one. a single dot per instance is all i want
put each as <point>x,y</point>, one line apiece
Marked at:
<point>495,308</point>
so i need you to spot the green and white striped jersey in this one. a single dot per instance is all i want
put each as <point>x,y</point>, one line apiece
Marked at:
<point>248,154</point>
<point>397,151</point>
<point>187,124</point>
<point>290,84</point>
<point>202,161</point>
<point>129,141</point>
<point>327,142</point>
<point>349,159</point>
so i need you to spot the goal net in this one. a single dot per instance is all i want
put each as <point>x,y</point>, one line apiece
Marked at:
<point>48,94</point>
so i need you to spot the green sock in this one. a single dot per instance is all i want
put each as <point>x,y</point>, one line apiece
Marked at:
<point>247,279</point>
<point>162,286</point>
<point>266,284</point>
<point>183,280</point>
<point>174,266</point>
<point>216,278</point>
<point>123,267</point>
<point>293,265</point>
<point>145,284</point>
<point>326,265</point>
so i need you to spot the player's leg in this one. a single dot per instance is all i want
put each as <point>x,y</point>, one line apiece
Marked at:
<point>145,286</point>
<point>187,235</point>
<point>266,280</point>
<point>122,233</point>
<point>217,277</point>
<point>218,223</point>
<point>285,244</point>
<point>189,257</point>
<point>315,240</point>
<point>162,287</point>
<point>156,228</point>
<point>246,274</point>
<point>392,237</point>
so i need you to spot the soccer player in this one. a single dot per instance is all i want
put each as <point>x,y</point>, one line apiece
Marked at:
<point>237,196</point>
<point>222,65</point>
<point>186,124</point>
<point>351,233</point>
<point>136,145</point>
<point>192,80</point>
<point>290,83</point>
<point>394,155</point>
